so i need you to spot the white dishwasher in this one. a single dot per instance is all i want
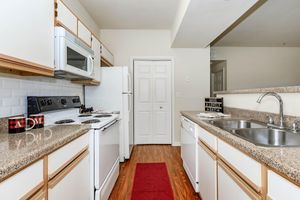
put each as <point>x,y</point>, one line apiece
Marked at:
<point>189,153</point>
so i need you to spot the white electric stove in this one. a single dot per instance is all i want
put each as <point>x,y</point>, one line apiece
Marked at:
<point>104,145</point>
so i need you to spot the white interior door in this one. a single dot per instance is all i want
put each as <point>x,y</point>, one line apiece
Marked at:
<point>152,102</point>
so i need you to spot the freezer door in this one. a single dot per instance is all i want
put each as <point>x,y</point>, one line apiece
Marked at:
<point>127,84</point>
<point>108,95</point>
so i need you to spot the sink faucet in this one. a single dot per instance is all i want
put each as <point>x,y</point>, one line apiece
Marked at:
<point>278,97</point>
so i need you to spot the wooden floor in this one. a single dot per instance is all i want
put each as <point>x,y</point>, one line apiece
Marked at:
<point>181,185</point>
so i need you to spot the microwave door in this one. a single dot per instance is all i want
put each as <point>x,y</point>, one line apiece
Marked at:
<point>78,60</point>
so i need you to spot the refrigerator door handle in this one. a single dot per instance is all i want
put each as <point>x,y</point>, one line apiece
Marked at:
<point>129,102</point>
<point>129,83</point>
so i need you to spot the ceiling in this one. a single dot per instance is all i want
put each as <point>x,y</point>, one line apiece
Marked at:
<point>132,14</point>
<point>275,23</point>
<point>205,20</point>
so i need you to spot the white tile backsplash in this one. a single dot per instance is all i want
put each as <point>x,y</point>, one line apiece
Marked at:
<point>15,89</point>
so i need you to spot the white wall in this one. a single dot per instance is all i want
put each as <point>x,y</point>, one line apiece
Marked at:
<point>15,89</point>
<point>259,67</point>
<point>291,103</point>
<point>191,74</point>
<point>83,15</point>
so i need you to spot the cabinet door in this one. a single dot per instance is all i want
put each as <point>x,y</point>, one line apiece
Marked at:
<point>24,183</point>
<point>66,18</point>
<point>97,57</point>
<point>280,188</point>
<point>107,55</point>
<point>27,30</point>
<point>247,167</point>
<point>207,173</point>
<point>230,185</point>
<point>84,34</point>
<point>73,182</point>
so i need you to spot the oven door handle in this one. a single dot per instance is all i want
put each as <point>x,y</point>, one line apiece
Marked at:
<point>91,60</point>
<point>108,125</point>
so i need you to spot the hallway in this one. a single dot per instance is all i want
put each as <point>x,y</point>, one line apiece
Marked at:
<point>182,189</point>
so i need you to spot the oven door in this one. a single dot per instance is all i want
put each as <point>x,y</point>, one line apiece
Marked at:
<point>106,152</point>
<point>74,58</point>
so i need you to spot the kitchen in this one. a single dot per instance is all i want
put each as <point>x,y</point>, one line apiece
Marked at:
<point>115,94</point>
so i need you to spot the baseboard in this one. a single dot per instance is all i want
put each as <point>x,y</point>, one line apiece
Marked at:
<point>175,144</point>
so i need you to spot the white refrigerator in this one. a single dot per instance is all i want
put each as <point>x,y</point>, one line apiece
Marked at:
<point>115,94</point>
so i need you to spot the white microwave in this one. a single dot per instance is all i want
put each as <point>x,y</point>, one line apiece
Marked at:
<point>73,58</point>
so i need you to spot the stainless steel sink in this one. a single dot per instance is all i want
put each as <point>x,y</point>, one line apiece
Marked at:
<point>230,124</point>
<point>269,137</point>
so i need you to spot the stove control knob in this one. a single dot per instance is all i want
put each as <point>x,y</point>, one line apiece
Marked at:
<point>75,100</point>
<point>49,102</point>
<point>63,101</point>
<point>43,102</point>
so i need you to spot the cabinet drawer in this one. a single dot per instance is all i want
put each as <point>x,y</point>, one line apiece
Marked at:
<point>246,167</point>
<point>210,140</point>
<point>60,158</point>
<point>280,188</point>
<point>84,34</point>
<point>66,18</point>
<point>23,183</point>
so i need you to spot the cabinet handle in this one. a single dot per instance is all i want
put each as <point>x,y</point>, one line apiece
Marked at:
<point>67,170</point>
<point>32,192</point>
<point>67,163</point>
<point>207,150</point>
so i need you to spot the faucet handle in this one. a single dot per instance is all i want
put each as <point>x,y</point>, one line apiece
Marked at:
<point>295,126</point>
<point>270,120</point>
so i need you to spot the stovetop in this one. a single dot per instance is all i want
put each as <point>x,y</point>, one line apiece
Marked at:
<point>72,116</point>
<point>64,110</point>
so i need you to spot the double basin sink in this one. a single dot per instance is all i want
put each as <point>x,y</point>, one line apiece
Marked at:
<point>258,133</point>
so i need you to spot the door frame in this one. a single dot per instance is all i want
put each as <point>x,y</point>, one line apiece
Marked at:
<point>224,71</point>
<point>157,58</point>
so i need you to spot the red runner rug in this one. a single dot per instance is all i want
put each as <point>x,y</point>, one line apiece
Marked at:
<point>151,182</point>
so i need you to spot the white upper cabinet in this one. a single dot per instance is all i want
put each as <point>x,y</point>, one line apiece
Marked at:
<point>97,57</point>
<point>84,34</point>
<point>27,31</point>
<point>66,18</point>
<point>106,56</point>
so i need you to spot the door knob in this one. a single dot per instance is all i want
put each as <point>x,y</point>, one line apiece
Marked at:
<point>160,107</point>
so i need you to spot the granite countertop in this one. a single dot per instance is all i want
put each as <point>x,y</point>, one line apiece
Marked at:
<point>285,160</point>
<point>20,150</point>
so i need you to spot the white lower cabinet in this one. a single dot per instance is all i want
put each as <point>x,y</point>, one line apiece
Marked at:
<point>231,187</point>
<point>280,188</point>
<point>24,183</point>
<point>207,172</point>
<point>72,182</point>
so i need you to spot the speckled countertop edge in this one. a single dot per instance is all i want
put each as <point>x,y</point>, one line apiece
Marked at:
<point>282,160</point>
<point>22,160</point>
<point>288,89</point>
